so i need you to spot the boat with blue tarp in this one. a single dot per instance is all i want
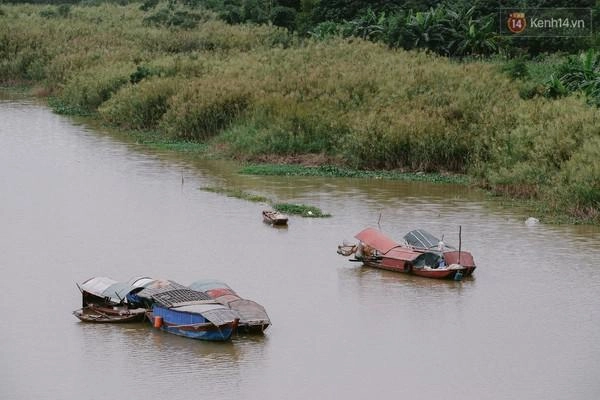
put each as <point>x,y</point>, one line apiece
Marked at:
<point>182,311</point>
<point>253,316</point>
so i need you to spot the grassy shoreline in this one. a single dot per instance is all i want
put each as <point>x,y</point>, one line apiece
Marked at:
<point>258,93</point>
<point>343,172</point>
<point>156,140</point>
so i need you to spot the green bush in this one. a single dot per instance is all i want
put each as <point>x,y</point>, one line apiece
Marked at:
<point>284,17</point>
<point>204,108</point>
<point>140,106</point>
<point>23,51</point>
<point>554,88</point>
<point>87,90</point>
<point>577,186</point>
<point>516,68</point>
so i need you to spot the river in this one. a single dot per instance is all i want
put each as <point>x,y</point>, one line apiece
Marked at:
<point>76,202</point>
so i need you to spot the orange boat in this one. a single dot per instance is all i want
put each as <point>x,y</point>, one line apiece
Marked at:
<point>418,255</point>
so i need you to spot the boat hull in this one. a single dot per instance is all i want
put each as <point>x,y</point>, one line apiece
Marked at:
<point>274,218</point>
<point>464,258</point>
<point>109,315</point>
<point>205,331</point>
<point>190,325</point>
<point>443,273</point>
<point>395,265</point>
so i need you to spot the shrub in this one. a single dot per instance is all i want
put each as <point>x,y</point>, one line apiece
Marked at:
<point>140,106</point>
<point>284,17</point>
<point>87,90</point>
<point>149,4</point>
<point>204,108</point>
<point>577,186</point>
<point>554,88</point>
<point>582,73</point>
<point>325,30</point>
<point>529,90</point>
<point>172,16</point>
<point>516,68</point>
<point>23,51</point>
<point>231,14</point>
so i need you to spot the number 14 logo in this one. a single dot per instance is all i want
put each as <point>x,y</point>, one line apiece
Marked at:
<point>516,22</point>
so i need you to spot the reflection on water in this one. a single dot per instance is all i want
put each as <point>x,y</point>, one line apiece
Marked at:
<point>77,203</point>
<point>140,352</point>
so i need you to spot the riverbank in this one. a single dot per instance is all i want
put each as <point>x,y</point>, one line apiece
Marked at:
<point>293,166</point>
<point>259,93</point>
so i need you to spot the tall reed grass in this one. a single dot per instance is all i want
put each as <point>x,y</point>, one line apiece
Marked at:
<point>257,91</point>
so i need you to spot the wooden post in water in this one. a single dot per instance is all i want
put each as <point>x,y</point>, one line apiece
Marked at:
<point>459,242</point>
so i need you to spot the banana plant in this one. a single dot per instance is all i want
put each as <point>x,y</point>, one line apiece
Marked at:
<point>583,73</point>
<point>370,26</point>
<point>470,35</point>
<point>427,30</point>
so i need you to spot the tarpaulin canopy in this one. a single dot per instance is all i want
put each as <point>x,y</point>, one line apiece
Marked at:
<point>106,288</point>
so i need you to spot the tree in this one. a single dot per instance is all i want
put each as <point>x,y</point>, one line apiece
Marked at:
<point>470,36</point>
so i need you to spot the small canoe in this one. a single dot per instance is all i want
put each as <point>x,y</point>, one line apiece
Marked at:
<point>99,314</point>
<point>274,217</point>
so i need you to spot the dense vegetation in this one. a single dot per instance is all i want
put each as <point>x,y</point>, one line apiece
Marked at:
<point>311,89</point>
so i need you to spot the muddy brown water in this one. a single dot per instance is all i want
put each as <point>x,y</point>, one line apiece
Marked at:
<point>77,203</point>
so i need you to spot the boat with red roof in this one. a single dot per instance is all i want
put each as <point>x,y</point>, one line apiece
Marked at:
<point>420,254</point>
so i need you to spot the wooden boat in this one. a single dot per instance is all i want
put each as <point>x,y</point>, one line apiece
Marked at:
<point>274,217</point>
<point>104,300</point>
<point>253,316</point>
<point>99,314</point>
<point>377,250</point>
<point>421,240</point>
<point>185,312</point>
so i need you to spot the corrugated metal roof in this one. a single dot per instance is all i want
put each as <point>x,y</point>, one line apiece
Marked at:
<point>422,239</point>
<point>171,294</point>
<point>172,298</point>
<point>220,316</point>
<point>141,281</point>
<point>106,287</point>
<point>159,286</point>
<point>250,311</point>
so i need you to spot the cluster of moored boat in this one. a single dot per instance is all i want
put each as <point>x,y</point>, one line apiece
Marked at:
<point>420,253</point>
<point>211,310</point>
<point>206,309</point>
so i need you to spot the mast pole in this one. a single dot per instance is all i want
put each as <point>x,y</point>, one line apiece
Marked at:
<point>459,242</point>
